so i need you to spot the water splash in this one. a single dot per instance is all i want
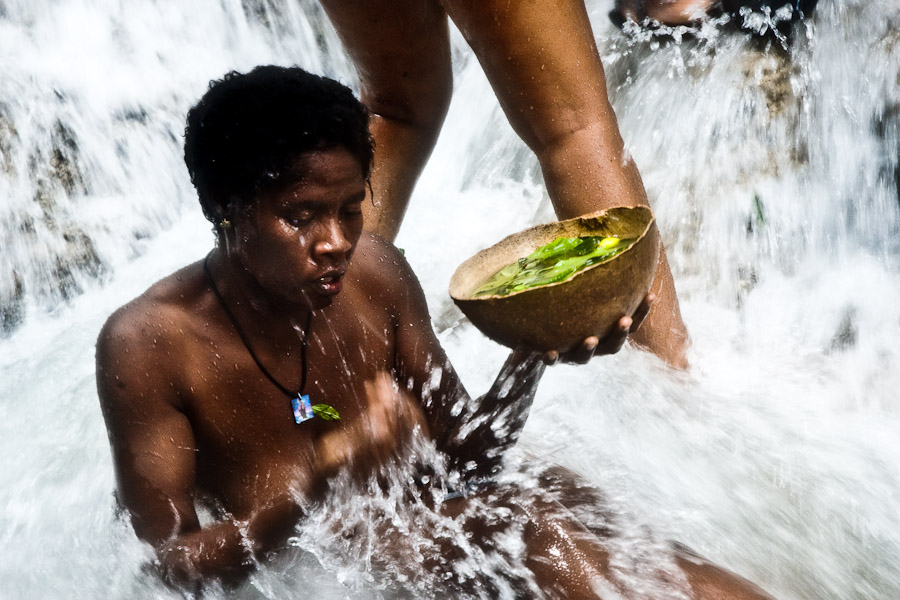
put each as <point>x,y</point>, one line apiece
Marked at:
<point>773,172</point>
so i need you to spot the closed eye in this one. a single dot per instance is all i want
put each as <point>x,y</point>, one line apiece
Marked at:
<point>300,219</point>
<point>353,210</point>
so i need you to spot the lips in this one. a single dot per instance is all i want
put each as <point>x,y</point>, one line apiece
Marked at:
<point>330,283</point>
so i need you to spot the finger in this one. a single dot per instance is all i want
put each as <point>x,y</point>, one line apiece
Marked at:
<point>331,452</point>
<point>623,329</point>
<point>550,357</point>
<point>590,344</point>
<point>615,339</point>
<point>642,311</point>
<point>586,352</point>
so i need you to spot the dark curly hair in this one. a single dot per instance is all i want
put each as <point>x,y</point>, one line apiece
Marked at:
<point>247,128</point>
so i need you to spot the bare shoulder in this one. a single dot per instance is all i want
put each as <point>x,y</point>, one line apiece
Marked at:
<point>147,339</point>
<point>381,270</point>
<point>158,313</point>
<point>378,258</point>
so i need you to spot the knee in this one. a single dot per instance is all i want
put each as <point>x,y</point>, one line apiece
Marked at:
<point>422,107</point>
<point>584,138</point>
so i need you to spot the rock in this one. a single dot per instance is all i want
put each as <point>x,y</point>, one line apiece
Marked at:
<point>12,306</point>
<point>8,135</point>
<point>79,258</point>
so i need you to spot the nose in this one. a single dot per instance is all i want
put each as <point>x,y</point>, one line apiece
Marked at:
<point>333,239</point>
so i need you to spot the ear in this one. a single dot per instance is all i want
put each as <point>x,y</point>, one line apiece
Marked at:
<point>222,221</point>
<point>226,212</point>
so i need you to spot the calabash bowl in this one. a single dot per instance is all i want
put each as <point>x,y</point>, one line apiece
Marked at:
<point>559,316</point>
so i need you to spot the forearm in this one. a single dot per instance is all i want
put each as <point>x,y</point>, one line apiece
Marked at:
<point>228,550</point>
<point>221,551</point>
<point>488,426</point>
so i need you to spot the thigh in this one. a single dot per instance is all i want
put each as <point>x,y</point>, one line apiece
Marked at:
<point>709,581</point>
<point>401,49</point>
<point>550,551</point>
<point>541,59</point>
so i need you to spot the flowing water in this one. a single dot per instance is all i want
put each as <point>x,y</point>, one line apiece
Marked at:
<point>773,170</point>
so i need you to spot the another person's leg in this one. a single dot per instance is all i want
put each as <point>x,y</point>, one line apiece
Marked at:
<point>569,562</point>
<point>542,61</point>
<point>565,542</point>
<point>668,12</point>
<point>401,49</point>
<point>686,12</point>
<point>801,8</point>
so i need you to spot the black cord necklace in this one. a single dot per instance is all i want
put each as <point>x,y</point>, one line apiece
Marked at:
<point>300,403</point>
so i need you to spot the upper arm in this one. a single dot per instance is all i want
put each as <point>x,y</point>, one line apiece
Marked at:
<point>474,434</point>
<point>151,439</point>
<point>420,362</point>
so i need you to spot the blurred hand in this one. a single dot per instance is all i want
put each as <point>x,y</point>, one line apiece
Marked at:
<point>610,344</point>
<point>389,416</point>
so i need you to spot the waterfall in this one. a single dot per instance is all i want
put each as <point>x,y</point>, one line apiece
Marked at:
<point>774,171</point>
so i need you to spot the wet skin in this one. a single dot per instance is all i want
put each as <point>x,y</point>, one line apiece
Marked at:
<point>687,12</point>
<point>190,415</point>
<point>667,12</point>
<point>542,62</point>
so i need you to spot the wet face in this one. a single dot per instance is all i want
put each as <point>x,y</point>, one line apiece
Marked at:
<point>294,242</point>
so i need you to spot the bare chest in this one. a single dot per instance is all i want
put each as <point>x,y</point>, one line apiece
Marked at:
<point>248,445</point>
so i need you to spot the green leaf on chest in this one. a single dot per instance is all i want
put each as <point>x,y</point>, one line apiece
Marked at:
<point>326,412</point>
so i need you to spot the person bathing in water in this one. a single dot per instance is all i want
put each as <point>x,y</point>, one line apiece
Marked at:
<point>301,349</point>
